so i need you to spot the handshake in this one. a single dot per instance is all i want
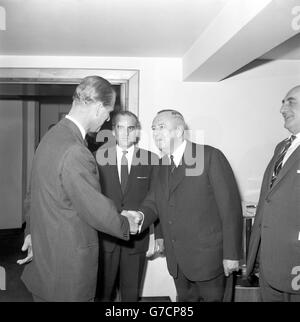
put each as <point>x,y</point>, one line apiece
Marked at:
<point>135,219</point>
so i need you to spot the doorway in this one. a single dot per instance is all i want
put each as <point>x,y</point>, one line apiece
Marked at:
<point>23,91</point>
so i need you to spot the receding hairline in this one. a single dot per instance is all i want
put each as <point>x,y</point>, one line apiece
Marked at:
<point>295,89</point>
<point>125,113</point>
<point>177,116</point>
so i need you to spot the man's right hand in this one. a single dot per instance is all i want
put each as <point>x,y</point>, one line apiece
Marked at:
<point>134,219</point>
<point>26,246</point>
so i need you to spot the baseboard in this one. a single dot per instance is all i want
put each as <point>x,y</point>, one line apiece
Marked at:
<point>6,233</point>
<point>155,299</point>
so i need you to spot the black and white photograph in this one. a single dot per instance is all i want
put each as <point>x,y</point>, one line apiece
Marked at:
<point>150,153</point>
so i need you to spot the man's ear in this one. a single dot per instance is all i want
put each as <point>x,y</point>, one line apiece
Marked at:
<point>99,108</point>
<point>179,131</point>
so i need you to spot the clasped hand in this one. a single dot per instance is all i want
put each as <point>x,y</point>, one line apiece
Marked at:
<point>135,219</point>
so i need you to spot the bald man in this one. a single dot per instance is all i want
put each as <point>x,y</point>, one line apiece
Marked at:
<point>275,240</point>
<point>197,201</point>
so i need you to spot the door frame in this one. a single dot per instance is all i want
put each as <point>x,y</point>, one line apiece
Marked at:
<point>128,79</point>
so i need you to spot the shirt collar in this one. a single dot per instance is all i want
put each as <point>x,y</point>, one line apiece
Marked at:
<point>178,153</point>
<point>297,138</point>
<point>129,151</point>
<point>80,127</point>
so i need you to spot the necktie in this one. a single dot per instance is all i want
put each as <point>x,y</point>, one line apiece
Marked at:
<point>278,163</point>
<point>124,171</point>
<point>172,164</point>
<point>171,169</point>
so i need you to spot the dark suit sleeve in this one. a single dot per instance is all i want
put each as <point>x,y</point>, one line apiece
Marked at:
<point>26,206</point>
<point>229,204</point>
<point>80,181</point>
<point>148,206</point>
<point>157,230</point>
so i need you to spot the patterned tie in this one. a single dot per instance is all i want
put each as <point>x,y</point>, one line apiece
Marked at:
<point>172,165</point>
<point>278,163</point>
<point>124,171</point>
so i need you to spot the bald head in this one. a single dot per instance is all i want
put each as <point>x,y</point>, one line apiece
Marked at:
<point>173,116</point>
<point>290,110</point>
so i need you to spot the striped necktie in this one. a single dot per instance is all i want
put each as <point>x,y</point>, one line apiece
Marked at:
<point>278,163</point>
<point>172,164</point>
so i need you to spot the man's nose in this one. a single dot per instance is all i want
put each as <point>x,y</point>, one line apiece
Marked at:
<point>155,133</point>
<point>284,107</point>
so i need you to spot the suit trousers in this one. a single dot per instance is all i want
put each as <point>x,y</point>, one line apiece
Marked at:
<point>130,268</point>
<point>270,294</point>
<point>39,299</point>
<point>199,291</point>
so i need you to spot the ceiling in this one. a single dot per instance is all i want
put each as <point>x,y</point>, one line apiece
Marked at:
<point>145,28</point>
<point>214,38</point>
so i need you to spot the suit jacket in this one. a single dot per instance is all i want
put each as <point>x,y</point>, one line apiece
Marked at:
<point>66,209</point>
<point>138,184</point>
<point>200,213</point>
<point>276,229</point>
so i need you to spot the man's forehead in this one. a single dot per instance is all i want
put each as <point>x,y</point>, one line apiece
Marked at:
<point>293,93</point>
<point>163,118</point>
<point>125,120</point>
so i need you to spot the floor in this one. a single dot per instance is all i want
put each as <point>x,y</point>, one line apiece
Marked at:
<point>10,251</point>
<point>15,291</point>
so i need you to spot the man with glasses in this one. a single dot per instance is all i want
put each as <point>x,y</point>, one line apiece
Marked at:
<point>125,174</point>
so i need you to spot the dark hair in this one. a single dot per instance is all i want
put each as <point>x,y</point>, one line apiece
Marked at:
<point>126,113</point>
<point>94,89</point>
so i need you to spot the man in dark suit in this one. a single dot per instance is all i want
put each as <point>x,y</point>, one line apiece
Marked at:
<point>66,204</point>
<point>275,239</point>
<point>198,204</point>
<point>125,175</point>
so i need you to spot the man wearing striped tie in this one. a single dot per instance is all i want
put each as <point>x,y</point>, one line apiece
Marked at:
<point>275,239</point>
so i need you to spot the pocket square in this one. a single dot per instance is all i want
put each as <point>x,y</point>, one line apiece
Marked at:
<point>298,171</point>
<point>142,177</point>
<point>299,235</point>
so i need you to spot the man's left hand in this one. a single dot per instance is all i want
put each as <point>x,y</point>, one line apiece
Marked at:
<point>230,266</point>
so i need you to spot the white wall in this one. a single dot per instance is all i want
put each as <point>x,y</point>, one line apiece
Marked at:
<point>239,115</point>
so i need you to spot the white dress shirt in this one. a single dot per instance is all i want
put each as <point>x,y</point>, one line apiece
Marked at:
<point>81,129</point>
<point>178,153</point>
<point>129,156</point>
<point>292,148</point>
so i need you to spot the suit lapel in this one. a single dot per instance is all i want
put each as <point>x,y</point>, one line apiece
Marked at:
<point>180,172</point>
<point>163,175</point>
<point>272,165</point>
<point>114,172</point>
<point>287,166</point>
<point>133,169</point>
<point>177,176</point>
